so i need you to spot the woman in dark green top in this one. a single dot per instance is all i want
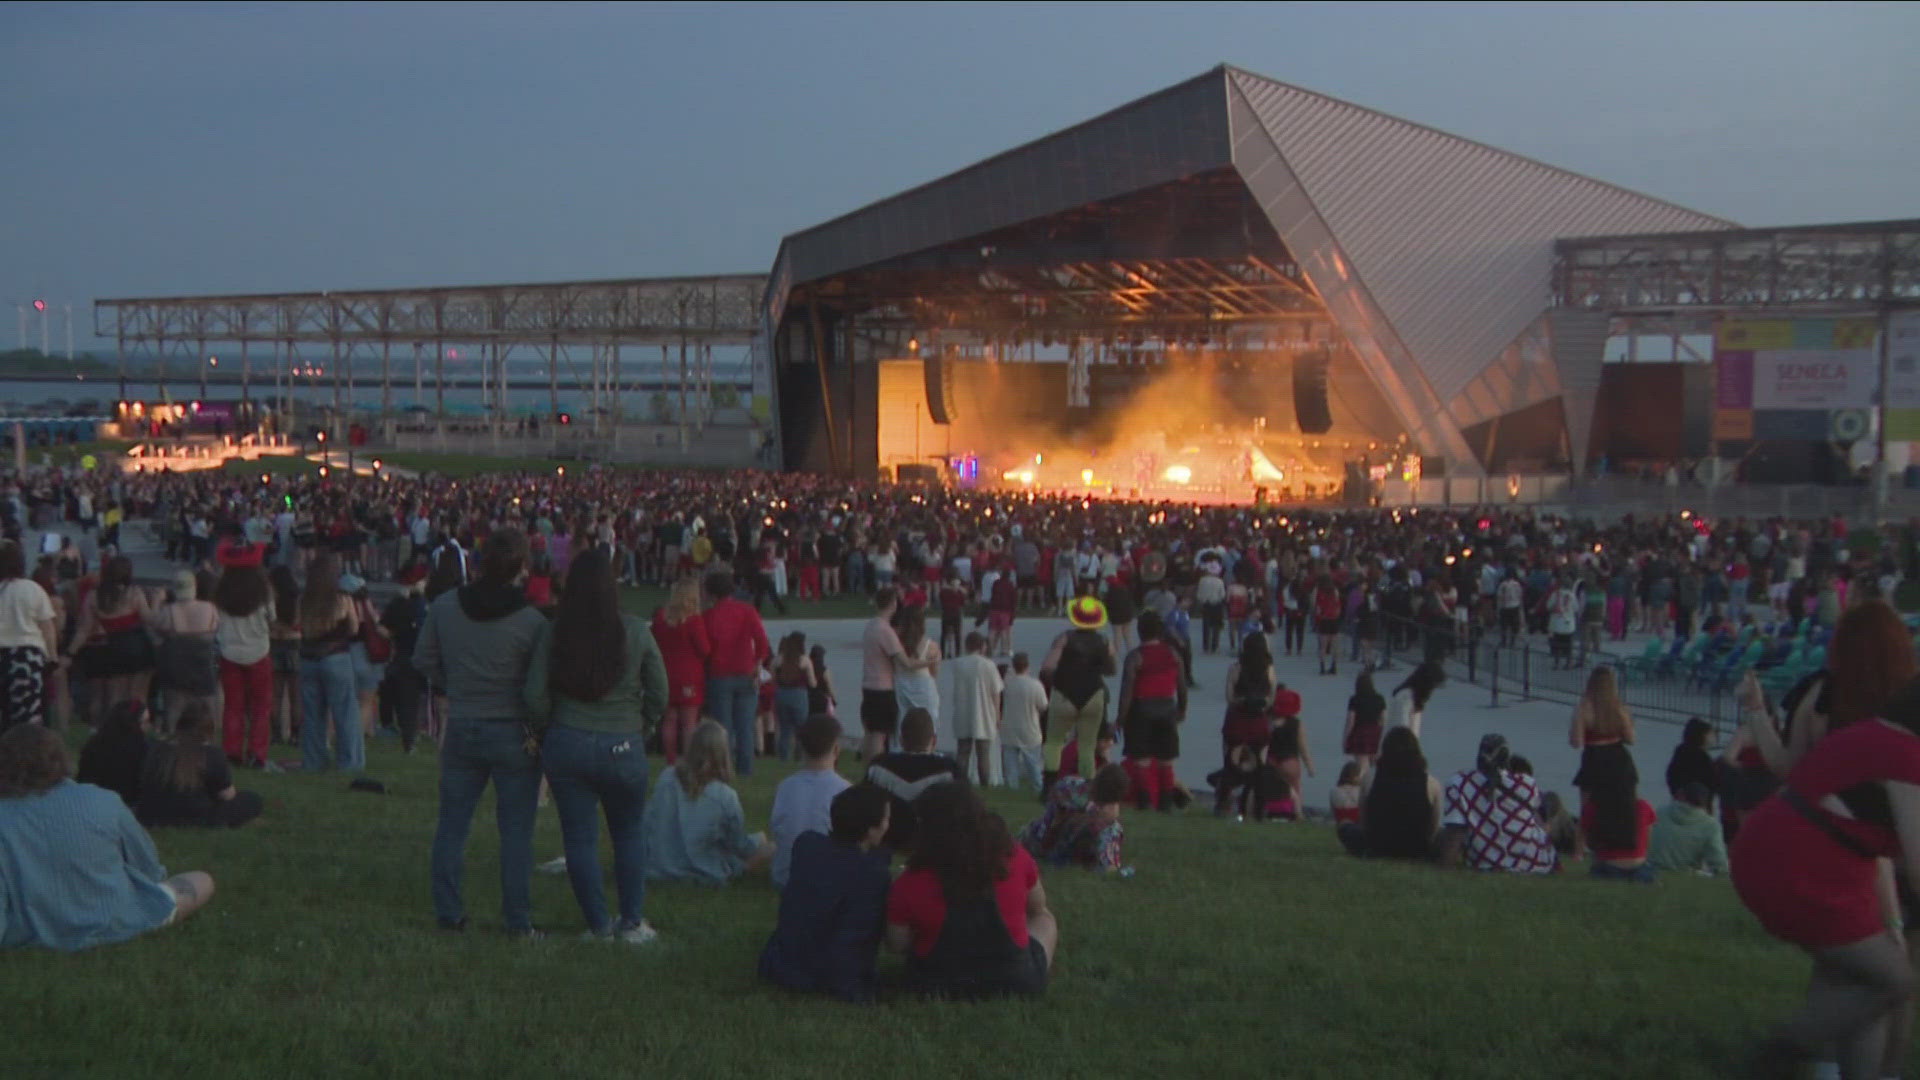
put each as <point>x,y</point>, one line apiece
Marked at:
<point>597,685</point>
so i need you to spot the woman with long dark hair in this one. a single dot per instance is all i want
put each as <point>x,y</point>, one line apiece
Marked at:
<point>1409,703</point>
<point>597,683</point>
<point>116,754</point>
<point>244,638</point>
<point>1366,710</point>
<point>186,780</point>
<point>328,629</point>
<point>1399,804</point>
<point>970,911</point>
<point>914,687</point>
<point>284,650</point>
<point>793,677</point>
<point>29,638</point>
<point>114,651</point>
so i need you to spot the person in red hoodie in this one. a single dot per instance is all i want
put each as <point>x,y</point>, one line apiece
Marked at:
<point>738,646</point>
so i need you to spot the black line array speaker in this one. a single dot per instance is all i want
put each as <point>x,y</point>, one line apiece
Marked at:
<point>939,379</point>
<point>1310,408</point>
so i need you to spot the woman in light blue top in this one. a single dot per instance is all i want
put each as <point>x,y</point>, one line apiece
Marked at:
<point>694,826</point>
<point>75,869</point>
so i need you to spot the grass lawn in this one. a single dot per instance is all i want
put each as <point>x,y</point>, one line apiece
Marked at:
<point>273,464</point>
<point>1238,950</point>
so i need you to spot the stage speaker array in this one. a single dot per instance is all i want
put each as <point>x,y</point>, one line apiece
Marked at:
<point>1310,408</point>
<point>938,372</point>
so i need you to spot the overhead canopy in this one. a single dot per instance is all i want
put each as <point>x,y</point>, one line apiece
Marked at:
<point>1233,205</point>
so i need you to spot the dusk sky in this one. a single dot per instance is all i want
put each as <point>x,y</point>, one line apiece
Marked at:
<point>187,148</point>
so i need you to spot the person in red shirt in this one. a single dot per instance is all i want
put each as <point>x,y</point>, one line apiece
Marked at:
<point>1603,822</point>
<point>1153,703</point>
<point>738,647</point>
<point>681,632</point>
<point>970,912</point>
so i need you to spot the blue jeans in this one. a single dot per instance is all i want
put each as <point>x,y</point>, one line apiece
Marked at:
<point>1642,874</point>
<point>327,689</point>
<point>591,771</point>
<point>473,752</point>
<point>790,709</point>
<point>731,700</point>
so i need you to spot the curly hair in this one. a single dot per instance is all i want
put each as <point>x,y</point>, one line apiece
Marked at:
<point>957,838</point>
<point>32,760</point>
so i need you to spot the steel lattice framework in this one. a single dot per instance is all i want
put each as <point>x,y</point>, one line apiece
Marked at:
<point>1807,268</point>
<point>720,310</point>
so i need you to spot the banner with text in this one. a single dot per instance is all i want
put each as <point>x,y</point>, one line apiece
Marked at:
<point>1785,378</point>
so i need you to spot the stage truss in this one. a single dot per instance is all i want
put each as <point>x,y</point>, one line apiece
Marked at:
<point>348,331</point>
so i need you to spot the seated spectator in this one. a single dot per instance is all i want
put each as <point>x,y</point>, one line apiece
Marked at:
<point>1691,764</point>
<point>118,750</point>
<point>1399,806</point>
<point>693,823</point>
<point>187,781</point>
<point>1081,823</point>
<point>1562,830</point>
<point>1618,824</point>
<point>1103,741</point>
<point>970,912</point>
<point>1494,810</point>
<point>803,802</point>
<point>834,902</point>
<point>1344,799</point>
<point>1686,836</point>
<point>75,869</point>
<point>908,773</point>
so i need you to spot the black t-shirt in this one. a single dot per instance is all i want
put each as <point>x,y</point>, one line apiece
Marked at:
<point>163,804</point>
<point>1368,710</point>
<point>829,548</point>
<point>1120,607</point>
<point>402,619</point>
<point>906,776</point>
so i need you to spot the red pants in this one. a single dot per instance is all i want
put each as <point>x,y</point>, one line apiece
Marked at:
<point>246,718</point>
<point>809,583</point>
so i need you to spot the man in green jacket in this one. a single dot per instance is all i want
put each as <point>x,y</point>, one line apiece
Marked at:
<point>1686,837</point>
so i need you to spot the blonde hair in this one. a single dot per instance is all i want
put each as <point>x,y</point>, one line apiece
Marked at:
<point>683,602</point>
<point>709,757</point>
<point>1606,716</point>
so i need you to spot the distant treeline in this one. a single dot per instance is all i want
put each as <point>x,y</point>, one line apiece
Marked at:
<point>34,362</point>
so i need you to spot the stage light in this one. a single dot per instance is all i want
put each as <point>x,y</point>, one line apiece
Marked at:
<point>1179,474</point>
<point>913,345</point>
<point>1086,476</point>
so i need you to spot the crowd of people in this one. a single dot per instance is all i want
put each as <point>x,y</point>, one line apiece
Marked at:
<point>504,645</point>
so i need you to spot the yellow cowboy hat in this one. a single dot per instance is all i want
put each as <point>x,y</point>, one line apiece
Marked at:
<point>1087,612</point>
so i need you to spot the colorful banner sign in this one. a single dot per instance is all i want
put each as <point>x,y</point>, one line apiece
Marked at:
<point>1784,378</point>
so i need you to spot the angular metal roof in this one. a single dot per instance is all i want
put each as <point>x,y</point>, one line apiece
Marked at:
<point>1433,253</point>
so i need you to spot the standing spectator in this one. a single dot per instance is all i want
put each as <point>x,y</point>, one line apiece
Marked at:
<point>1602,731</point>
<point>29,638</point>
<point>793,679</point>
<point>1077,666</point>
<point>284,650</point>
<point>113,650</point>
<point>1023,705</point>
<point>1210,593</point>
<point>1409,702</point>
<point>244,638</point>
<point>681,634</point>
<point>977,686</point>
<point>81,871</point>
<point>328,627</point>
<point>739,641</point>
<point>477,644</point>
<point>880,652</point>
<point>402,690</point>
<point>1366,709</point>
<point>596,682</point>
<point>1153,705</point>
<point>187,660</point>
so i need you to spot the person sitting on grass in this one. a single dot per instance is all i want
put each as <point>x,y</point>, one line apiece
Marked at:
<point>1400,806</point>
<point>1493,809</point>
<point>1618,824</point>
<point>970,912</point>
<point>1686,837</point>
<point>188,782</point>
<point>76,870</point>
<point>910,772</point>
<point>1080,825</point>
<point>117,752</point>
<point>802,803</point>
<point>834,902</point>
<point>694,827</point>
<point>1344,800</point>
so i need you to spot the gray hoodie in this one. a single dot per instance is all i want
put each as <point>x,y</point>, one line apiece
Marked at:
<point>476,644</point>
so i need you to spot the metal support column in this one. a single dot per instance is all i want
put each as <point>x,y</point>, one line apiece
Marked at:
<point>826,388</point>
<point>683,393</point>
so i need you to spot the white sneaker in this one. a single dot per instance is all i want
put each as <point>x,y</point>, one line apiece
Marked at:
<point>642,934</point>
<point>554,866</point>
